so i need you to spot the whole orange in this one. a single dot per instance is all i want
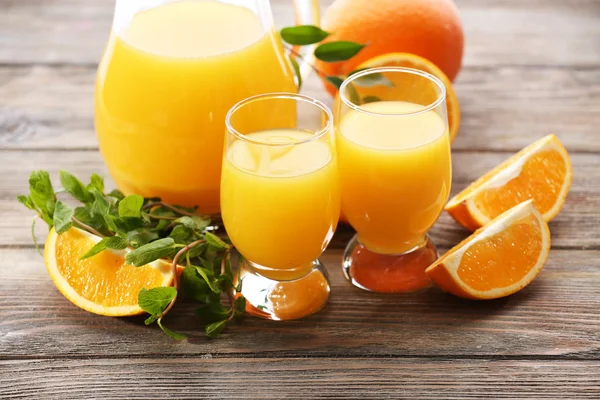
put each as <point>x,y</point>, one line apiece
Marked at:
<point>429,28</point>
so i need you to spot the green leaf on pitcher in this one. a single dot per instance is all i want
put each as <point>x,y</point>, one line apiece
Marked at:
<point>303,35</point>
<point>335,81</point>
<point>296,70</point>
<point>337,51</point>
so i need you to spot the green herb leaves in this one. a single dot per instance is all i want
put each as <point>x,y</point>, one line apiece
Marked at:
<point>62,217</point>
<point>154,301</point>
<point>337,51</point>
<point>151,252</point>
<point>303,35</point>
<point>329,52</point>
<point>151,230</point>
<point>41,195</point>
<point>332,51</point>
<point>113,242</point>
<point>74,187</point>
<point>131,206</point>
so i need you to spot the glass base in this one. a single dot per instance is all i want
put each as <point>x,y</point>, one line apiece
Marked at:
<point>384,273</point>
<point>284,300</point>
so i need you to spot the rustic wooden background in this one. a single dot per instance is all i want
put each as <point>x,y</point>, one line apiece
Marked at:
<point>531,67</point>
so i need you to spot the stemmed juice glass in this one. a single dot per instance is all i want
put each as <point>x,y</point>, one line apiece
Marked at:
<point>394,163</point>
<point>280,201</point>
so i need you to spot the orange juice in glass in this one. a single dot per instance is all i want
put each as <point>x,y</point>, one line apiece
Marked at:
<point>280,201</point>
<point>170,72</point>
<point>395,171</point>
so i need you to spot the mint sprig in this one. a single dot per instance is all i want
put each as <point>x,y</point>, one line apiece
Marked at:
<point>332,51</point>
<point>153,230</point>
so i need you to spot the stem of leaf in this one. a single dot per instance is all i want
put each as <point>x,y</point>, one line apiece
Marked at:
<point>161,217</point>
<point>175,277</point>
<point>86,227</point>
<point>226,257</point>
<point>298,55</point>
<point>170,207</point>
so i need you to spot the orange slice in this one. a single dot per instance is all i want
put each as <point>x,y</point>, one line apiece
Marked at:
<point>497,260</point>
<point>409,60</point>
<point>541,171</point>
<point>103,284</point>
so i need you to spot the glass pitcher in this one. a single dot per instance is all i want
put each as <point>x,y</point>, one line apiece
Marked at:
<point>170,72</point>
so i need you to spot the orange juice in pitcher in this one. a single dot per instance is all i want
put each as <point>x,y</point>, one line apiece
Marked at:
<point>170,72</point>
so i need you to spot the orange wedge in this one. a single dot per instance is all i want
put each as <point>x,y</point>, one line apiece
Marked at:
<point>541,171</point>
<point>497,260</point>
<point>103,284</point>
<point>409,60</point>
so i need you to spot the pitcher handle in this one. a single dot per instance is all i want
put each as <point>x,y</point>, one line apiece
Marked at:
<point>307,13</point>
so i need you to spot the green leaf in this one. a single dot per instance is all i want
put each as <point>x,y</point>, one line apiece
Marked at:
<point>96,182</point>
<point>335,81</point>
<point>155,300</point>
<point>239,306</point>
<point>195,287</point>
<point>337,51</point>
<point>115,224</point>
<point>84,214</point>
<point>63,215</point>
<point>132,223</point>
<point>197,251</point>
<point>370,99</point>
<point>374,79</point>
<point>101,205</point>
<point>26,201</point>
<point>212,312</point>
<point>181,234</point>
<point>209,278</point>
<point>116,194</point>
<point>116,243</point>
<point>140,237</point>
<point>303,34</point>
<point>225,282</point>
<point>131,206</point>
<point>41,193</point>
<point>173,334</point>
<point>113,243</point>
<point>150,319</point>
<point>74,187</point>
<point>150,252</point>
<point>215,241</point>
<point>213,330</point>
<point>97,248</point>
<point>197,223</point>
<point>296,70</point>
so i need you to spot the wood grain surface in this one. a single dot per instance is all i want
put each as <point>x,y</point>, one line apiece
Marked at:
<point>530,68</point>
<point>295,378</point>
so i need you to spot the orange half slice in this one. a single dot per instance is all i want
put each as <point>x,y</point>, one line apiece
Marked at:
<point>497,260</point>
<point>103,284</point>
<point>541,171</point>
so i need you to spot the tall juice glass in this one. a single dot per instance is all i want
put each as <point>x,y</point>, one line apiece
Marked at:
<point>280,201</point>
<point>170,72</point>
<point>395,170</point>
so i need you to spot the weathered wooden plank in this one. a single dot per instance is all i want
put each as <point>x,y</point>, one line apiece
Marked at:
<point>272,378</point>
<point>557,315</point>
<point>502,108</point>
<point>513,32</point>
<point>576,226</point>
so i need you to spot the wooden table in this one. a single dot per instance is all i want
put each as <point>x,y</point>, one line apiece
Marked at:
<point>531,67</point>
